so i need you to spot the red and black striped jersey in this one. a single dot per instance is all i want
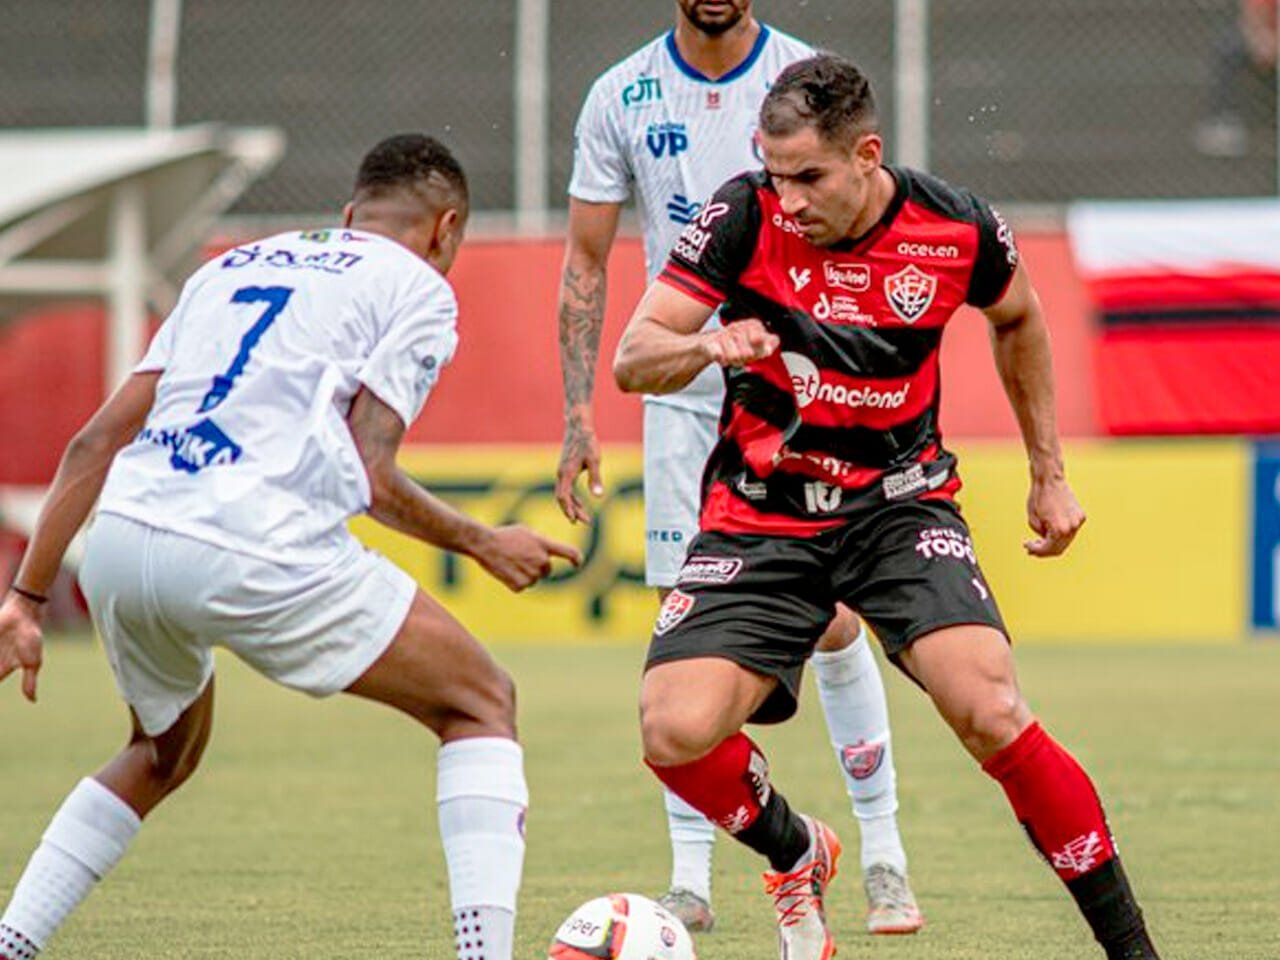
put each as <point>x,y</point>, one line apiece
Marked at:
<point>844,416</point>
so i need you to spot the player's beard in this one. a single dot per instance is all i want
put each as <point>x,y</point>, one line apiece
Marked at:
<point>715,25</point>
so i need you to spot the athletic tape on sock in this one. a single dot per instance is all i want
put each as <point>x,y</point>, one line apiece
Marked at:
<point>94,826</point>
<point>836,668</point>
<point>482,767</point>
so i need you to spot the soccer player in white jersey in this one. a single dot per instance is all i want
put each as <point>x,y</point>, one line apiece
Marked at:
<point>670,123</point>
<point>266,413</point>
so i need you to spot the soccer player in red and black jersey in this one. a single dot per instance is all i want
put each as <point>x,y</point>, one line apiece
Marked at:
<point>830,483</point>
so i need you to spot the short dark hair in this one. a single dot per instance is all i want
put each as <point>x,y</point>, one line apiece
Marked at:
<point>409,160</point>
<point>826,92</point>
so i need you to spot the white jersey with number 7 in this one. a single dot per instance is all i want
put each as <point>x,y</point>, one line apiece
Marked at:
<point>247,445</point>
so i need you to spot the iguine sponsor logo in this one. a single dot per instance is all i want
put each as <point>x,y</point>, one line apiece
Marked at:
<point>714,570</point>
<point>806,382</point>
<point>854,277</point>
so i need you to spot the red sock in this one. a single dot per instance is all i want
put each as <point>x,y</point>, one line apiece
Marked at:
<point>729,786</point>
<point>1055,801</point>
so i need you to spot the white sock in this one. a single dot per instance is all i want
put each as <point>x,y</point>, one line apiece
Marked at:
<point>692,838</point>
<point>85,839</point>
<point>481,798</point>
<point>853,700</point>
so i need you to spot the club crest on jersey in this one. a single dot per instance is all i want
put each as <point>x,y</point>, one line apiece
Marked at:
<point>910,292</point>
<point>713,99</point>
<point>860,760</point>
<point>674,609</point>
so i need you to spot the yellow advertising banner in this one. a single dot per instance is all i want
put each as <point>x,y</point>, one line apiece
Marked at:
<point>1162,556</point>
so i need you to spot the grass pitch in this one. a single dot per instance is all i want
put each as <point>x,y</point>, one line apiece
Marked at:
<point>310,831</point>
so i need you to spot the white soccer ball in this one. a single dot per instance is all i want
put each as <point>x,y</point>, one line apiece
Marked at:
<point>621,926</point>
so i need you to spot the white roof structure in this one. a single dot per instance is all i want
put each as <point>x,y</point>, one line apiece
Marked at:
<point>117,213</point>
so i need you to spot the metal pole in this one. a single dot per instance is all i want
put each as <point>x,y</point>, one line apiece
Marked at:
<point>126,306</point>
<point>911,82</point>
<point>532,25</point>
<point>162,64</point>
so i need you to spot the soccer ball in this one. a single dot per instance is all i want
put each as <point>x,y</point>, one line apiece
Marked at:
<point>621,926</point>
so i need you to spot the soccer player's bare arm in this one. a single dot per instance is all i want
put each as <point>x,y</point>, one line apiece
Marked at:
<point>75,489</point>
<point>514,555</point>
<point>664,346</point>
<point>592,227</point>
<point>1020,341</point>
<point>80,476</point>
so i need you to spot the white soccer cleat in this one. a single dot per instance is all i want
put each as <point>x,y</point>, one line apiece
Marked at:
<point>797,897</point>
<point>690,909</point>
<point>891,906</point>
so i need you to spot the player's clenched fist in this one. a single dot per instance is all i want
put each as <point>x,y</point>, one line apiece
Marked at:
<point>1054,513</point>
<point>520,557</point>
<point>739,343</point>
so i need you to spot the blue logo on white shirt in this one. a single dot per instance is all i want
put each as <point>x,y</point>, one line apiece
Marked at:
<point>681,209</point>
<point>669,138</point>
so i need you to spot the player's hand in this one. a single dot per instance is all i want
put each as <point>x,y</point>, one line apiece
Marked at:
<point>739,343</point>
<point>1054,513</point>
<point>520,557</point>
<point>580,453</point>
<point>21,642</point>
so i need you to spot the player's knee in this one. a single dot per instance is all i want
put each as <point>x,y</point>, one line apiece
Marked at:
<point>992,721</point>
<point>841,632</point>
<point>673,735</point>
<point>171,765</point>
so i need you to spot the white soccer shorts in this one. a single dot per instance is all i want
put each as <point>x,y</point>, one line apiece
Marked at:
<point>162,601</point>
<point>677,443</point>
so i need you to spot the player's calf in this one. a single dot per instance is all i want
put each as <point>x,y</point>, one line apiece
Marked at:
<point>1057,804</point>
<point>440,675</point>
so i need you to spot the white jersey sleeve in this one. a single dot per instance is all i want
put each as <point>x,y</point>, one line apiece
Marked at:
<point>161,349</point>
<point>419,342</point>
<point>160,352</point>
<point>601,170</point>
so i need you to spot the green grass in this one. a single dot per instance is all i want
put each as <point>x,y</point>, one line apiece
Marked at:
<point>310,831</point>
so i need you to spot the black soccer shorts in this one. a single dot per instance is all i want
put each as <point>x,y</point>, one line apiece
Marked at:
<point>908,569</point>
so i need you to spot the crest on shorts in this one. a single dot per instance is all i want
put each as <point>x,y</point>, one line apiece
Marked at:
<point>910,292</point>
<point>862,759</point>
<point>674,609</point>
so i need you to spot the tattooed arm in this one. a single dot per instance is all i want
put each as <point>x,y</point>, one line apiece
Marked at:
<point>592,227</point>
<point>513,554</point>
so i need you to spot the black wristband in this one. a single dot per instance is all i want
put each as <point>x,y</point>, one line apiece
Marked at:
<point>29,595</point>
